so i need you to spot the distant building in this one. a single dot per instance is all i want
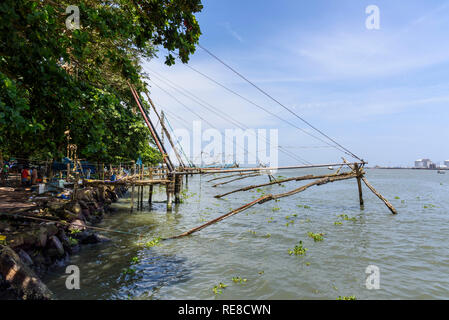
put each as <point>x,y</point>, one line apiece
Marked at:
<point>423,163</point>
<point>432,166</point>
<point>419,163</point>
<point>446,163</point>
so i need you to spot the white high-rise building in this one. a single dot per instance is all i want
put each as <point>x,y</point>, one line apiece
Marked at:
<point>446,163</point>
<point>423,163</point>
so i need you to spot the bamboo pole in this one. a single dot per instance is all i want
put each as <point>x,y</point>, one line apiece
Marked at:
<point>217,171</point>
<point>387,203</point>
<point>235,179</point>
<point>307,177</point>
<point>263,200</point>
<point>132,187</point>
<point>231,175</point>
<point>359,183</point>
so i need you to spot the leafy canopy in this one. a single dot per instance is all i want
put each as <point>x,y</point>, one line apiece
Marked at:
<point>53,79</point>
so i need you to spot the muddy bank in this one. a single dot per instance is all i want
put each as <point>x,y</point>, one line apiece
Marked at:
<point>38,238</point>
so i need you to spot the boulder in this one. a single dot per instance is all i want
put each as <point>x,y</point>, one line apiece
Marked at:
<point>25,257</point>
<point>56,243</point>
<point>20,277</point>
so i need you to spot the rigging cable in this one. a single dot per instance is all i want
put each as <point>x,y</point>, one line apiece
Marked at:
<point>217,112</point>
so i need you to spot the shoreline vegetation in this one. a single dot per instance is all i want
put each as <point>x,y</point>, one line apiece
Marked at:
<point>65,98</point>
<point>41,237</point>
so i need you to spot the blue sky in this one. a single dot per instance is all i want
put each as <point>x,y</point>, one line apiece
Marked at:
<point>383,94</point>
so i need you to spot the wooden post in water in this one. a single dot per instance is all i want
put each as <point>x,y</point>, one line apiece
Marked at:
<point>150,187</point>
<point>178,181</point>
<point>169,190</point>
<point>359,183</point>
<point>132,187</point>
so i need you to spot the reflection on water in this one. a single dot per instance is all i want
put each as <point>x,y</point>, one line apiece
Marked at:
<point>410,249</point>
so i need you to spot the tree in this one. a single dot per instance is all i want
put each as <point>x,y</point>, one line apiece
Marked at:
<point>53,79</point>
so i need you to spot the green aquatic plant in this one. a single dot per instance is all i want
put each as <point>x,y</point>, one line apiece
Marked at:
<point>316,236</point>
<point>275,209</point>
<point>303,206</point>
<point>75,231</point>
<point>128,271</point>
<point>73,242</point>
<point>135,260</point>
<point>268,235</point>
<point>289,223</point>
<point>338,223</point>
<point>152,243</point>
<point>261,272</point>
<point>298,250</point>
<point>239,280</point>
<point>397,198</point>
<point>347,218</point>
<point>218,288</point>
<point>346,298</point>
<point>252,232</point>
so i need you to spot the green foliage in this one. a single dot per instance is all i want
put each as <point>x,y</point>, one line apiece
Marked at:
<point>218,288</point>
<point>239,280</point>
<point>298,250</point>
<point>346,298</point>
<point>53,79</point>
<point>316,236</point>
<point>152,243</point>
<point>73,242</point>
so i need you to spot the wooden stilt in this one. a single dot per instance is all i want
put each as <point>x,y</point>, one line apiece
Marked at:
<point>387,203</point>
<point>169,190</point>
<point>359,183</point>
<point>235,179</point>
<point>265,199</point>
<point>150,195</point>
<point>132,188</point>
<point>307,177</point>
<point>177,188</point>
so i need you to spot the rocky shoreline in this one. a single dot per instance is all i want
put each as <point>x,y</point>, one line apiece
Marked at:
<point>46,238</point>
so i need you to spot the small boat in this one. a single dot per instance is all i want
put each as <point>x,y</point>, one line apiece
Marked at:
<point>441,172</point>
<point>330,168</point>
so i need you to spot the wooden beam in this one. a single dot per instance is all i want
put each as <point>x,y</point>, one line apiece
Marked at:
<point>235,179</point>
<point>263,200</point>
<point>307,177</point>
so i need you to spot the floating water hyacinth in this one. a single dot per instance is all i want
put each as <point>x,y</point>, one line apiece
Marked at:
<point>298,250</point>
<point>316,236</point>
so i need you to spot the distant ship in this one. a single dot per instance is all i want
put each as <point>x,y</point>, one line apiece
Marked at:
<point>330,168</point>
<point>441,172</point>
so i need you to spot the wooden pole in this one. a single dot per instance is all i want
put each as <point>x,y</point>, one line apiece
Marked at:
<point>265,199</point>
<point>235,179</point>
<point>307,177</point>
<point>169,190</point>
<point>132,187</point>
<point>387,203</point>
<point>359,183</point>
<point>150,195</point>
